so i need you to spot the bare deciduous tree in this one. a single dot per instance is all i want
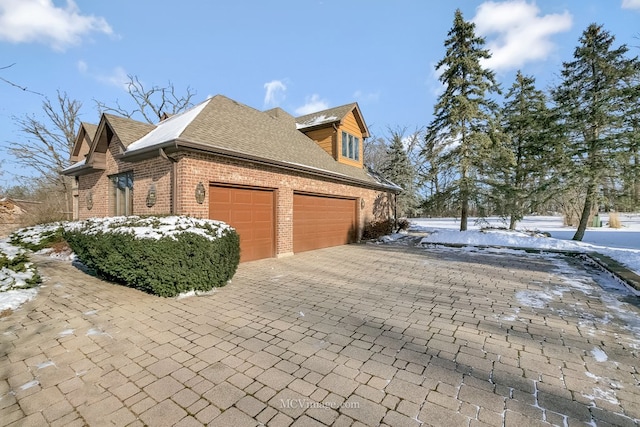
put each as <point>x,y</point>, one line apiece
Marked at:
<point>46,148</point>
<point>375,152</point>
<point>9,82</point>
<point>48,144</point>
<point>150,103</point>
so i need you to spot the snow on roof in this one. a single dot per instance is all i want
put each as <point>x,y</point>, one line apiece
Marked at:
<point>317,120</point>
<point>168,129</point>
<point>75,165</point>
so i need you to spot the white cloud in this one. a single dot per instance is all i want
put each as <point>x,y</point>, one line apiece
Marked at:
<point>312,104</point>
<point>118,77</point>
<point>631,4</point>
<point>274,94</point>
<point>516,33</point>
<point>27,21</point>
<point>82,66</point>
<point>366,97</point>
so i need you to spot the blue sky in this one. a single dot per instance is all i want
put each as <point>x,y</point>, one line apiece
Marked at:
<point>300,55</point>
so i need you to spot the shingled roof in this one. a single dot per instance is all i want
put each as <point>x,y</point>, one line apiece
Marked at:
<point>128,130</point>
<point>90,129</point>
<point>226,127</point>
<point>331,115</point>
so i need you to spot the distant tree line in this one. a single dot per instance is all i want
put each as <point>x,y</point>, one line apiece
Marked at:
<point>573,149</point>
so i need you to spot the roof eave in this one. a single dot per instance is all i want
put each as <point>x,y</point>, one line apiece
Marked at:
<point>80,170</point>
<point>181,143</point>
<point>146,152</point>
<point>197,146</point>
<point>317,126</point>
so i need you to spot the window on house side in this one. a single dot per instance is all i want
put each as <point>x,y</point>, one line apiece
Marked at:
<point>350,146</point>
<point>122,194</point>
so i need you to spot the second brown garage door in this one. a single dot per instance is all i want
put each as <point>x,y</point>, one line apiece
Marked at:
<point>321,222</point>
<point>251,212</point>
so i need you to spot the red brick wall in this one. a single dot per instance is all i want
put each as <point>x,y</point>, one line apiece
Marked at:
<point>156,171</point>
<point>208,169</point>
<point>193,168</point>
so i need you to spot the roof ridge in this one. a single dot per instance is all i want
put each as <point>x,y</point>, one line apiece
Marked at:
<point>339,107</point>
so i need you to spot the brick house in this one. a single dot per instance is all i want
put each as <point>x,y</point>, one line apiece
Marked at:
<point>286,184</point>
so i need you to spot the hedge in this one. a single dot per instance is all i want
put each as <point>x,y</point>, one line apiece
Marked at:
<point>164,256</point>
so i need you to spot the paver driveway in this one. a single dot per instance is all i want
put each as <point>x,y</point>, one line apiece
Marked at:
<point>353,335</point>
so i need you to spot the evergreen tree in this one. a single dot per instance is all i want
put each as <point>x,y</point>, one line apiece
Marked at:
<point>591,100</point>
<point>631,169</point>
<point>399,170</point>
<point>527,127</point>
<point>463,112</point>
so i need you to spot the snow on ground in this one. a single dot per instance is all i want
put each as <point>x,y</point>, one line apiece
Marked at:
<point>11,296</point>
<point>11,300</point>
<point>622,244</point>
<point>13,284</point>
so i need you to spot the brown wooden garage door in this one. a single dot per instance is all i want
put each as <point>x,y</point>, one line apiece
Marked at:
<point>251,212</point>
<point>320,222</point>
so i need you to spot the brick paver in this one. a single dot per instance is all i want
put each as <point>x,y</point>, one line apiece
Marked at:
<point>347,336</point>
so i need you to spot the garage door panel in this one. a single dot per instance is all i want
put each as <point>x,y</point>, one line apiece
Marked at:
<point>320,222</point>
<point>264,198</point>
<point>261,233</point>
<point>243,216</point>
<point>251,212</point>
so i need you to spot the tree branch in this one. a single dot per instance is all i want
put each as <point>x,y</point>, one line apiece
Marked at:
<point>150,103</point>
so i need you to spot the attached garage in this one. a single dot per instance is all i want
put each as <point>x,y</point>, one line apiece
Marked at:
<point>322,221</point>
<point>251,212</point>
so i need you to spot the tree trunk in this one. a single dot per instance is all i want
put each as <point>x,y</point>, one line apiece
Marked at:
<point>464,212</point>
<point>512,222</point>
<point>586,210</point>
<point>464,200</point>
<point>636,181</point>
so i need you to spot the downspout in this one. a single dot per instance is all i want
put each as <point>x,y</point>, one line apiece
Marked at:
<point>395,211</point>
<point>336,143</point>
<point>174,180</point>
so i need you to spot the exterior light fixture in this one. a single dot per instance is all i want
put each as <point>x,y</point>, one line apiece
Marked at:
<point>200,193</point>
<point>89,200</point>
<point>151,196</point>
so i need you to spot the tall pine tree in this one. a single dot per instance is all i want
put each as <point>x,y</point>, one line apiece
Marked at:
<point>630,199</point>
<point>463,112</point>
<point>591,100</point>
<point>399,170</point>
<point>528,131</point>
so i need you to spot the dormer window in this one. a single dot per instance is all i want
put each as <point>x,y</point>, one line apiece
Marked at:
<point>350,146</point>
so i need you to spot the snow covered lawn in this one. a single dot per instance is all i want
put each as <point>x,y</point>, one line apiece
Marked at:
<point>623,245</point>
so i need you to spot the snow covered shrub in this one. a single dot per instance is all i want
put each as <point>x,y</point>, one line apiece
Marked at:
<point>164,256</point>
<point>39,236</point>
<point>16,272</point>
